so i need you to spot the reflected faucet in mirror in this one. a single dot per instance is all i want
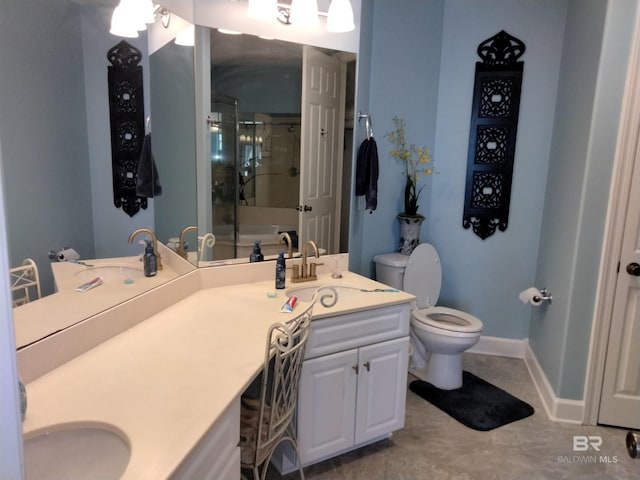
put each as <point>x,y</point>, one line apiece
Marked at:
<point>180,249</point>
<point>285,239</point>
<point>153,239</point>
<point>307,271</point>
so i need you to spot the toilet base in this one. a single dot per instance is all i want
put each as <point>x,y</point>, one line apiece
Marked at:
<point>441,371</point>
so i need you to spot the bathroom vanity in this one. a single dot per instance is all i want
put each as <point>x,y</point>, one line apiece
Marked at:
<point>170,385</point>
<point>353,385</point>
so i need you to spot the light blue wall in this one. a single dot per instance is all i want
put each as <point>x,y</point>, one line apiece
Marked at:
<point>262,88</point>
<point>111,225</point>
<point>403,81</point>
<point>55,126</point>
<point>583,148</point>
<point>44,132</point>
<point>173,96</point>
<point>575,64</point>
<point>484,277</point>
<point>362,102</point>
<point>422,68</point>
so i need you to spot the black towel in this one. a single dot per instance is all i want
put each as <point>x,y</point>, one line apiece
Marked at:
<point>367,173</point>
<point>147,180</point>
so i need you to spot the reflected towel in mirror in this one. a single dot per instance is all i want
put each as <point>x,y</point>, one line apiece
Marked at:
<point>147,182</point>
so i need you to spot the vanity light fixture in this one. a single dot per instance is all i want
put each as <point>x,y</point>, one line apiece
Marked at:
<point>340,17</point>
<point>304,13</point>
<point>187,37</point>
<point>132,16</point>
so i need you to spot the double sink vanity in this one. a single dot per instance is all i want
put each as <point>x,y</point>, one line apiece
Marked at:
<point>151,386</point>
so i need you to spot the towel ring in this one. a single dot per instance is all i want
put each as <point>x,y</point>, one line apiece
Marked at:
<point>367,124</point>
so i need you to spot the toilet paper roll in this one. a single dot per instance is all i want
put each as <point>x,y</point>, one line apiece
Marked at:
<point>68,255</point>
<point>531,295</point>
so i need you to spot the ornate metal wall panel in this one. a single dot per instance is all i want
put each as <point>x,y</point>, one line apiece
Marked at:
<point>126,112</point>
<point>492,135</point>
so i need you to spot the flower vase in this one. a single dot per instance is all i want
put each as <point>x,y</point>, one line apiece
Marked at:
<point>409,232</point>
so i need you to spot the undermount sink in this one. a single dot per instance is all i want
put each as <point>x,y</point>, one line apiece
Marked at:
<point>112,272</point>
<point>73,451</point>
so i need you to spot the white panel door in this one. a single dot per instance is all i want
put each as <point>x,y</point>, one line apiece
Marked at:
<point>382,387</point>
<point>326,405</point>
<point>323,93</point>
<point>620,398</point>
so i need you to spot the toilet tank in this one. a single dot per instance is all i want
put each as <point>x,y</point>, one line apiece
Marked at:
<point>390,268</point>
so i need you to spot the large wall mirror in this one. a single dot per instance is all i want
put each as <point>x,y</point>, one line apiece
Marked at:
<point>278,146</point>
<point>249,180</point>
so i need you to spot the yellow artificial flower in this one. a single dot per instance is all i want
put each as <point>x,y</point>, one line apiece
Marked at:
<point>411,156</point>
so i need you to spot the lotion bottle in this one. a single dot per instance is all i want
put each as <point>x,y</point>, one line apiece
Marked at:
<point>150,261</point>
<point>280,271</point>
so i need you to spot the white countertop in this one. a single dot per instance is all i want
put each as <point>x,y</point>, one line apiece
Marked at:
<point>165,381</point>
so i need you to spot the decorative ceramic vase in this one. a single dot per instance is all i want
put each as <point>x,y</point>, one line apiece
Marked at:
<point>409,232</point>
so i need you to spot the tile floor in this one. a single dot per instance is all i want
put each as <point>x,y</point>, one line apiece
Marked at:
<point>433,446</point>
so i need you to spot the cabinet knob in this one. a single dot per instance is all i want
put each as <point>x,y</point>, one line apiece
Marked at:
<point>367,365</point>
<point>356,368</point>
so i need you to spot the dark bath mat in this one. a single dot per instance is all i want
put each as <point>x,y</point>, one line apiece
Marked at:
<point>477,404</point>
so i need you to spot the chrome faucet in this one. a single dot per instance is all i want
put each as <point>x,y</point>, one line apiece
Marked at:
<point>307,272</point>
<point>153,239</point>
<point>180,249</point>
<point>285,239</point>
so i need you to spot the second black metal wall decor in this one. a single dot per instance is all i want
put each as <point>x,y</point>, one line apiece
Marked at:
<point>126,115</point>
<point>492,135</point>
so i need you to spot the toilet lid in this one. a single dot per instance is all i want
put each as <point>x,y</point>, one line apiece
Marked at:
<point>423,275</point>
<point>448,319</point>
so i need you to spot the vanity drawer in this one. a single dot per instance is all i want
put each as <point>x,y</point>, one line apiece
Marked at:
<point>342,332</point>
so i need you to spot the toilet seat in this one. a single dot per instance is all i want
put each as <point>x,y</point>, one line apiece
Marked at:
<point>447,319</point>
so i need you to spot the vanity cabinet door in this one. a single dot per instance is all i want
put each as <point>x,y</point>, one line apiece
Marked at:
<point>351,398</point>
<point>382,388</point>
<point>326,405</point>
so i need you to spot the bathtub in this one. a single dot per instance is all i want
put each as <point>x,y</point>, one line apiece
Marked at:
<point>267,235</point>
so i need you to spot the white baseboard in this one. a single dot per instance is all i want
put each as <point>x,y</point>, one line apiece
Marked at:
<point>558,409</point>
<point>501,347</point>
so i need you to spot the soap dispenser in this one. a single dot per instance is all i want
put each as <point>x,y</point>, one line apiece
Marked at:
<point>150,261</point>
<point>256,256</point>
<point>280,270</point>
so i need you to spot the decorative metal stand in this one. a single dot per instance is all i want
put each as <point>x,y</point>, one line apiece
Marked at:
<point>126,112</point>
<point>492,136</point>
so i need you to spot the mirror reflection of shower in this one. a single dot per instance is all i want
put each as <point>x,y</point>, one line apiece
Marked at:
<point>269,160</point>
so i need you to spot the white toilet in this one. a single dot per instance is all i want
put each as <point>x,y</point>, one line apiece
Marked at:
<point>439,334</point>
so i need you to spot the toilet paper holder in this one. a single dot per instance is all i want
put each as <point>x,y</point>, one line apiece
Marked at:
<point>545,296</point>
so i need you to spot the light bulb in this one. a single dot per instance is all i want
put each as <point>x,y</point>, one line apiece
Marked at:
<point>121,24</point>
<point>304,13</point>
<point>340,17</point>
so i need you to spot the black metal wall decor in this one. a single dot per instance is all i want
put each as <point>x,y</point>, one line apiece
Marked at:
<point>126,115</point>
<point>492,135</point>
